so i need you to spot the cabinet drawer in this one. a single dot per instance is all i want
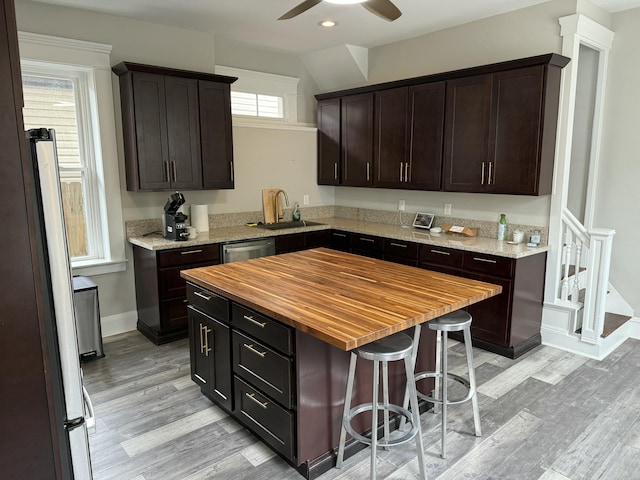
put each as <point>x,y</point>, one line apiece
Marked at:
<point>400,249</point>
<point>264,329</point>
<point>341,241</point>
<point>210,303</point>
<point>184,256</point>
<point>272,423</point>
<point>477,262</point>
<point>321,238</point>
<point>367,243</point>
<point>289,243</point>
<point>263,367</point>
<point>441,256</point>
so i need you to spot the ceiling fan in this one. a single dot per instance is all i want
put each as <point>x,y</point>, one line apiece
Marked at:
<point>382,8</point>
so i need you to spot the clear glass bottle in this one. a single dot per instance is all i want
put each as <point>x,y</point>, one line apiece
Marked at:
<point>502,227</point>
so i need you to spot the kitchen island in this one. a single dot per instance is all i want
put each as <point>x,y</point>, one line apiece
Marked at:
<point>270,338</point>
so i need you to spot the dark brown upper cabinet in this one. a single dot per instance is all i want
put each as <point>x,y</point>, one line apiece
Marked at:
<point>487,129</point>
<point>177,128</point>
<point>357,140</point>
<point>329,146</point>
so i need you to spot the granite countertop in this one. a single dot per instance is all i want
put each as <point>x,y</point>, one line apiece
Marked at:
<point>485,245</point>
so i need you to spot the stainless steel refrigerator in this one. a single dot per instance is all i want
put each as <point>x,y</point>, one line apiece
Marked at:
<point>73,410</point>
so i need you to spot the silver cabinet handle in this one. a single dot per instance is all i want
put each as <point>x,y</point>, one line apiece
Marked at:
<point>339,235</point>
<point>401,170</point>
<point>482,179</point>
<point>202,295</point>
<point>254,321</point>
<point>440,252</point>
<point>175,171</point>
<point>190,252</point>
<point>406,172</point>
<point>486,260</point>
<point>398,245</point>
<point>201,339</point>
<point>490,180</point>
<point>335,171</point>
<point>371,240</point>
<point>250,348</point>
<point>368,171</point>
<point>255,400</point>
<point>207,331</point>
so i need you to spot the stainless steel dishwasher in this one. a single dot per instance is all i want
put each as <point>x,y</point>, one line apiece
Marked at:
<point>246,249</point>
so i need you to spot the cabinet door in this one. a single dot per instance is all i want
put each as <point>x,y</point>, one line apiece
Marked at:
<point>492,317</point>
<point>357,140</point>
<point>466,134</point>
<point>390,138</point>
<point>151,131</point>
<point>426,134</point>
<point>210,347</point>
<point>329,170</point>
<point>183,132</point>
<point>216,135</point>
<point>516,128</point>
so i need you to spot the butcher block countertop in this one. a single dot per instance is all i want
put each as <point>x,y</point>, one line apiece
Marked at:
<point>343,299</point>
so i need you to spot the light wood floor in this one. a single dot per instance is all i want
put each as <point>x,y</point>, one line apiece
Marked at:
<point>549,415</point>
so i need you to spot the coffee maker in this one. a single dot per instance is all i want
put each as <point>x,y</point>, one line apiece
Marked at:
<point>175,226</point>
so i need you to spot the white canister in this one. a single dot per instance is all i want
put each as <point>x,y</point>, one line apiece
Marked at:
<point>200,217</point>
<point>518,236</point>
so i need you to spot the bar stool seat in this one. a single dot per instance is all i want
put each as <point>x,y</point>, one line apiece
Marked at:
<point>393,348</point>
<point>456,321</point>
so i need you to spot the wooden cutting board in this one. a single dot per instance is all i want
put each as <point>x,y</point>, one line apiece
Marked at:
<point>268,205</point>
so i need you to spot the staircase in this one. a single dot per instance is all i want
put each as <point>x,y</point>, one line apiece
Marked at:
<point>587,315</point>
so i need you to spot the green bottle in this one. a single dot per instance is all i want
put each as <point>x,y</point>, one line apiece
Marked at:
<point>296,213</point>
<point>502,227</point>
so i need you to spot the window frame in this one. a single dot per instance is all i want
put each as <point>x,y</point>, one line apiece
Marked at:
<point>41,53</point>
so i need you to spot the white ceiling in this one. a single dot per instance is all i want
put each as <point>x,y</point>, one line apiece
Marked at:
<point>254,21</point>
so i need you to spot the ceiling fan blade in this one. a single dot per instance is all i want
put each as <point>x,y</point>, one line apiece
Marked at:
<point>383,8</point>
<point>303,7</point>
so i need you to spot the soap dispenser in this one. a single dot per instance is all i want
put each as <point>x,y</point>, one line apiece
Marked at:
<point>502,227</point>
<point>296,213</point>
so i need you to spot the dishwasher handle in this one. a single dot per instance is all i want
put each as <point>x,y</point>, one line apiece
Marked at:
<point>240,248</point>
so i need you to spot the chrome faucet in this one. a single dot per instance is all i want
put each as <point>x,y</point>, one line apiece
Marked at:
<point>277,197</point>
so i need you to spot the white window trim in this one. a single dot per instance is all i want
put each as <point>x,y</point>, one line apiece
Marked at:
<point>96,57</point>
<point>250,81</point>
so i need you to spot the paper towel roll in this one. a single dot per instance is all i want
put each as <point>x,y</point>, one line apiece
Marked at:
<point>200,217</point>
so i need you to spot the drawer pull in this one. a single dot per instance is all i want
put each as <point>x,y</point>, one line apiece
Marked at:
<point>189,252</point>
<point>440,252</point>
<point>252,320</point>
<point>250,348</point>
<point>202,295</point>
<point>339,235</point>
<point>252,397</point>
<point>367,239</point>
<point>398,245</point>
<point>204,339</point>
<point>486,260</point>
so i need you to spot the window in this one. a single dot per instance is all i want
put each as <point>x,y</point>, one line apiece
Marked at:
<point>67,87</point>
<point>55,100</point>
<point>262,95</point>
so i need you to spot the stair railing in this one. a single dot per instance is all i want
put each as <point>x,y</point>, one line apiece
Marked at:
<point>586,261</point>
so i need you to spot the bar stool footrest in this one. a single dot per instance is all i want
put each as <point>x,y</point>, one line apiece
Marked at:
<point>450,401</point>
<point>382,443</point>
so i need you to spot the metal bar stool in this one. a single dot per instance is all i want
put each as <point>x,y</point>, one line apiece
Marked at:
<point>456,321</point>
<point>395,347</point>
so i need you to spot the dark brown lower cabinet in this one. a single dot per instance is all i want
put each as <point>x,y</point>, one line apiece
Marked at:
<point>287,387</point>
<point>161,294</point>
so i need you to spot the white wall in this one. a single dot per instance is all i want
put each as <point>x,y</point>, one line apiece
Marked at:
<point>618,192</point>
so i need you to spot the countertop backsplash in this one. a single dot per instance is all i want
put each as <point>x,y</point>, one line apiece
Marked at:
<point>137,228</point>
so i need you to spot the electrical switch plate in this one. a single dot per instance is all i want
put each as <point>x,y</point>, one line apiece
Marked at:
<point>447,209</point>
<point>305,199</point>
<point>401,205</point>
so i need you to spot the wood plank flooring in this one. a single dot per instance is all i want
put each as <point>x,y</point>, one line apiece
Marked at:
<point>548,415</point>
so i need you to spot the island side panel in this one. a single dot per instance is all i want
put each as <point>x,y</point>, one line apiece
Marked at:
<point>322,378</point>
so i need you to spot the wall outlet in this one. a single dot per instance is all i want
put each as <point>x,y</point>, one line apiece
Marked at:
<point>447,209</point>
<point>305,199</point>
<point>401,205</point>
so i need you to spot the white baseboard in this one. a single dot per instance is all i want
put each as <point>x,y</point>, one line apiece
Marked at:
<point>120,323</point>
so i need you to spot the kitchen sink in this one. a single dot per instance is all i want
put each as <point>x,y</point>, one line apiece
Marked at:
<point>283,225</point>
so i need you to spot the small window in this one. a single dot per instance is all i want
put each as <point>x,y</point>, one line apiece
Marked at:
<point>262,95</point>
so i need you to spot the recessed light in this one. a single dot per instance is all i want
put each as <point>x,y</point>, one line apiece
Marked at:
<point>328,23</point>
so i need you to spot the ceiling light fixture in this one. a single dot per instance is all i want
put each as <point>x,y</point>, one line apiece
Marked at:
<point>328,23</point>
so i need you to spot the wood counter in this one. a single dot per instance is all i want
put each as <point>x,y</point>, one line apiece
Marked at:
<point>343,299</point>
